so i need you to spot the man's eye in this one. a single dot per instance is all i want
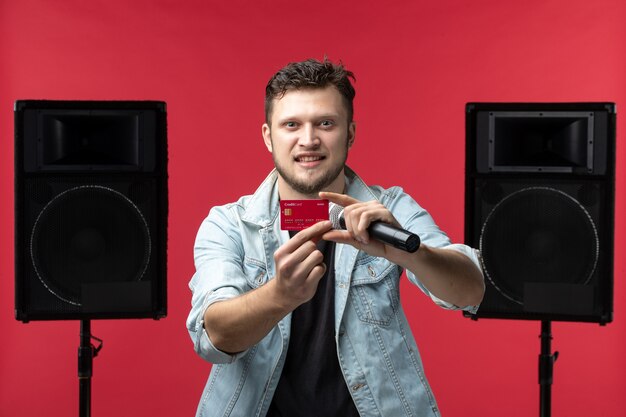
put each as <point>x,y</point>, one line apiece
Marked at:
<point>290,124</point>
<point>327,123</point>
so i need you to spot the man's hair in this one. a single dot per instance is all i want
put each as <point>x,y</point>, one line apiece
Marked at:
<point>310,74</point>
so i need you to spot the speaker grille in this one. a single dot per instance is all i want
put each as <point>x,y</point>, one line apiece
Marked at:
<point>89,234</point>
<point>541,235</point>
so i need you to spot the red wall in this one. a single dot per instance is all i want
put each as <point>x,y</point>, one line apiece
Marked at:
<point>417,63</point>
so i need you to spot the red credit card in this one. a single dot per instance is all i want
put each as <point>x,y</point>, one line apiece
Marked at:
<point>300,214</point>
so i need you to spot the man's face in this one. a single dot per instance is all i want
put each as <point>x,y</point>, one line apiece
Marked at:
<point>309,136</point>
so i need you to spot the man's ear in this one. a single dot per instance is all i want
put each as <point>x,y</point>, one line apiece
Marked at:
<point>267,136</point>
<point>351,134</point>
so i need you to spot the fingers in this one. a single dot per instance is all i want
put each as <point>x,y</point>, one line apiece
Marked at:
<point>300,255</point>
<point>300,265</point>
<point>302,260</point>
<point>355,213</point>
<point>343,200</point>
<point>358,217</point>
<point>342,236</point>
<point>313,233</point>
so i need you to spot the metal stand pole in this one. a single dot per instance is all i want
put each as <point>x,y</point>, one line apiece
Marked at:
<point>546,369</point>
<point>86,352</point>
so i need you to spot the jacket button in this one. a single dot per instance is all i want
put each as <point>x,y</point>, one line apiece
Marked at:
<point>371,271</point>
<point>357,387</point>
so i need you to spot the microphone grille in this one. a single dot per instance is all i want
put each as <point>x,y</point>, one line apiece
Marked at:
<point>335,215</point>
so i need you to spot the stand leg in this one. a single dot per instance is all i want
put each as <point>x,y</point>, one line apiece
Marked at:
<point>546,369</point>
<point>85,369</point>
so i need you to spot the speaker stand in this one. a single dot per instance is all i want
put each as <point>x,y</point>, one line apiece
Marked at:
<point>546,368</point>
<point>86,352</point>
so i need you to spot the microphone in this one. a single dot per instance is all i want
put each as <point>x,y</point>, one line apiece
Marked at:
<point>384,232</point>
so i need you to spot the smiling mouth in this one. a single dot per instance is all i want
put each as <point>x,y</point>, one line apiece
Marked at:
<point>309,158</point>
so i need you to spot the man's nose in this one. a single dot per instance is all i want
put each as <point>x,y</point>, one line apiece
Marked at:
<point>309,137</point>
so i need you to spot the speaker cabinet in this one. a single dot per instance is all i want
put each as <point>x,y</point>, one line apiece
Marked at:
<point>539,204</point>
<point>90,210</point>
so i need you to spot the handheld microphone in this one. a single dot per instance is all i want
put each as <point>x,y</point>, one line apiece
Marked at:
<point>384,232</point>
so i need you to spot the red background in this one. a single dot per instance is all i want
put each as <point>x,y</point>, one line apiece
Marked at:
<point>417,63</point>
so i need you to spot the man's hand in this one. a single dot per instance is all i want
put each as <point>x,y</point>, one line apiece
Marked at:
<point>449,275</point>
<point>300,266</point>
<point>358,216</point>
<point>235,324</point>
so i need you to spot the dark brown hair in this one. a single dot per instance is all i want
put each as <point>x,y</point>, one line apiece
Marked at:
<point>310,74</point>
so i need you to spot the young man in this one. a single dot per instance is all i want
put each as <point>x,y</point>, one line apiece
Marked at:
<point>310,324</point>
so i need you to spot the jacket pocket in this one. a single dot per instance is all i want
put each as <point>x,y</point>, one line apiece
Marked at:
<point>374,290</point>
<point>255,271</point>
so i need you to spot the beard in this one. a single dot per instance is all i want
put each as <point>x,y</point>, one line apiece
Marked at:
<point>313,185</point>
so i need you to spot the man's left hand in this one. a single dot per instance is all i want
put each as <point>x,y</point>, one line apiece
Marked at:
<point>358,217</point>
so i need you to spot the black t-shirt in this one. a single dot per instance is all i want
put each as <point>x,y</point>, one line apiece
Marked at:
<point>311,384</point>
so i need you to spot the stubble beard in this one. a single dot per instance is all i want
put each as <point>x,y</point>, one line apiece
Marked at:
<point>308,187</point>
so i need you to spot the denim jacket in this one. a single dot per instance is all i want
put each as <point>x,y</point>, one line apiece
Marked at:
<point>377,353</point>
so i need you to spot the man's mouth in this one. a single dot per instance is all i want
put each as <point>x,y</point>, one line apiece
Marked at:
<point>309,158</point>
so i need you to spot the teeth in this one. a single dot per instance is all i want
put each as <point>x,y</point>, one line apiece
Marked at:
<point>309,158</point>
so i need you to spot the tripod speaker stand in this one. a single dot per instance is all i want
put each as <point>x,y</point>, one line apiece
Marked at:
<point>539,204</point>
<point>90,215</point>
<point>86,352</point>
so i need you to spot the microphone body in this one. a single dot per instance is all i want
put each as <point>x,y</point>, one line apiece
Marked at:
<point>384,232</point>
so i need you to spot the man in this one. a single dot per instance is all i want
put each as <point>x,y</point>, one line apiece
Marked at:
<point>310,324</point>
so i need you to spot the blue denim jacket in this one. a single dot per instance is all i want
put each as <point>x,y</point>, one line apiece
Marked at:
<point>376,350</point>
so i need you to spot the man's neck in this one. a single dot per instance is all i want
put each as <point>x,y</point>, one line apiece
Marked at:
<point>285,192</point>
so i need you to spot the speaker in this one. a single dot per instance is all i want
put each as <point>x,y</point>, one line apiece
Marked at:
<point>90,210</point>
<point>539,204</point>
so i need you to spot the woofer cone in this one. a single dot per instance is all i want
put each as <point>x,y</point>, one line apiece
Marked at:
<point>89,234</point>
<point>538,235</point>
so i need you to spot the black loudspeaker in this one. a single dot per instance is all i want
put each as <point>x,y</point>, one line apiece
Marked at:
<point>90,210</point>
<point>539,204</point>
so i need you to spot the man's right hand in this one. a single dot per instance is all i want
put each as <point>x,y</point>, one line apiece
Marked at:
<point>235,324</point>
<point>300,266</point>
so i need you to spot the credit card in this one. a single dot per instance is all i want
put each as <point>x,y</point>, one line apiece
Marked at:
<point>300,214</point>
